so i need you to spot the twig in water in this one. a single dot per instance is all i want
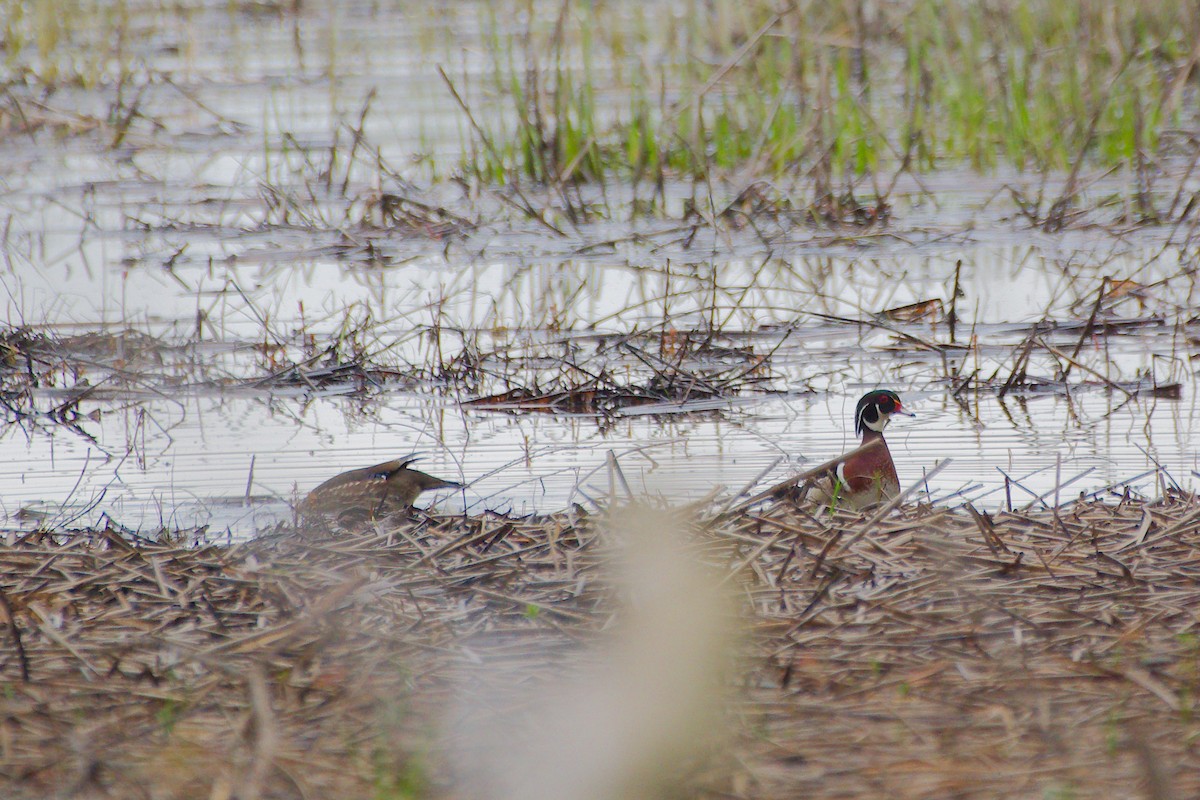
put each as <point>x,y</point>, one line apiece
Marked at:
<point>250,479</point>
<point>616,474</point>
<point>952,317</point>
<point>1109,382</point>
<point>1161,469</point>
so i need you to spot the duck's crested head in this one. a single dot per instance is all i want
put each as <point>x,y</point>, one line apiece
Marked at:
<point>875,410</point>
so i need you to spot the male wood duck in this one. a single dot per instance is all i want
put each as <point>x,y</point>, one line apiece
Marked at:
<point>867,476</point>
<point>360,494</point>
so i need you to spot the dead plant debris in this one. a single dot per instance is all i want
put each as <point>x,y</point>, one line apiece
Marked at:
<point>947,652</point>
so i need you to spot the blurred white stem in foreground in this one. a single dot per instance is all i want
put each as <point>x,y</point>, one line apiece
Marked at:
<point>638,707</point>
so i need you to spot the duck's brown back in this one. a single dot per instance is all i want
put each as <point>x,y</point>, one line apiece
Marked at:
<point>376,490</point>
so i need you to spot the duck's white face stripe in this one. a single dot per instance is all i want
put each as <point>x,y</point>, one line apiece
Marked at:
<point>879,423</point>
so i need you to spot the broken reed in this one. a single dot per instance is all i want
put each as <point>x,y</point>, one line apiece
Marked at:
<point>840,89</point>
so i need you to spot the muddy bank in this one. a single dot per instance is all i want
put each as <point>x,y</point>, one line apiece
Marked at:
<point>933,651</point>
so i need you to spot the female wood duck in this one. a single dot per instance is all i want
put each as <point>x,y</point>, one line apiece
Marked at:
<point>360,494</point>
<point>867,476</point>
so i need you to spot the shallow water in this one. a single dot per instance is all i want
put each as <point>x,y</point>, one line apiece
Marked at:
<point>215,235</point>
<point>190,462</point>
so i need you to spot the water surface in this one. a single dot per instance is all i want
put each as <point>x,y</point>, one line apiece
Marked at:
<point>221,241</point>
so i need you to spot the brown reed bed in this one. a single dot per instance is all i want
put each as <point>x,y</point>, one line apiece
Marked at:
<point>937,652</point>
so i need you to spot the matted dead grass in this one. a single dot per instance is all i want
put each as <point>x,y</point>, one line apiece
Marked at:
<point>936,653</point>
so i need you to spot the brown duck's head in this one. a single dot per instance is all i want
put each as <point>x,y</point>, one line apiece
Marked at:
<point>875,411</point>
<point>423,481</point>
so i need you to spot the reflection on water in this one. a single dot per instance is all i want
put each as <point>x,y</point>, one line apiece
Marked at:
<point>190,462</point>
<point>215,228</point>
